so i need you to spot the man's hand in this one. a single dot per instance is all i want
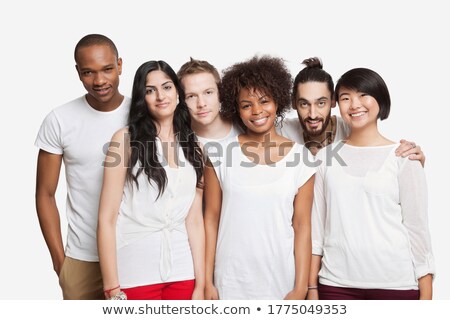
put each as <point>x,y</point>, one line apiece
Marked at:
<point>410,150</point>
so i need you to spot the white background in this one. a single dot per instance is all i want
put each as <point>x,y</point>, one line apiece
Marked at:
<point>406,43</point>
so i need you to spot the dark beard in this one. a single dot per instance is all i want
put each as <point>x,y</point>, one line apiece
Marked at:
<point>316,133</point>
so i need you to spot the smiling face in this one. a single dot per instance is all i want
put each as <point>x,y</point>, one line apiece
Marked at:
<point>358,109</point>
<point>161,95</point>
<point>257,111</point>
<point>313,103</point>
<point>99,69</point>
<point>202,98</point>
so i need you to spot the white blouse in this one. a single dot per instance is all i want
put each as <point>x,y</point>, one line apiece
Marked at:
<point>152,240</point>
<point>369,219</point>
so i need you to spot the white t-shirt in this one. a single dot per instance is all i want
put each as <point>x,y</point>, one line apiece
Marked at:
<point>369,219</point>
<point>82,135</point>
<point>255,243</point>
<point>217,147</point>
<point>152,240</point>
<point>292,129</point>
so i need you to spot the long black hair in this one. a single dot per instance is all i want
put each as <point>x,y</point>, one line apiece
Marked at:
<point>143,131</point>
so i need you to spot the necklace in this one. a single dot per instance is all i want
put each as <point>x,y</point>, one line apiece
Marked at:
<point>330,132</point>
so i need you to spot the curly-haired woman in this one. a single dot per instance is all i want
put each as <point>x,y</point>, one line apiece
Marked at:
<point>258,194</point>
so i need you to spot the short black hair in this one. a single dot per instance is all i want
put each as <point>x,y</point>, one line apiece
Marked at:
<point>93,40</point>
<point>369,82</point>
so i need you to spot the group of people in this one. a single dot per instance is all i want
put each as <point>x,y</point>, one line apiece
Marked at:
<point>206,191</point>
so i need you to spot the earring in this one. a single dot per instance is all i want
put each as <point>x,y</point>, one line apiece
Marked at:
<point>178,100</point>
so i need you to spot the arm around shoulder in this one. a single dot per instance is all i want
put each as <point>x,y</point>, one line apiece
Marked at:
<point>410,150</point>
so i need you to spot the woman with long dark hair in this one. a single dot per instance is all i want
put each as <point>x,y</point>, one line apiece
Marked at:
<point>150,232</point>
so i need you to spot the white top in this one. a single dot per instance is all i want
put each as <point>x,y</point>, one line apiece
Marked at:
<point>369,219</point>
<point>217,147</point>
<point>255,244</point>
<point>292,129</point>
<point>152,240</point>
<point>82,135</point>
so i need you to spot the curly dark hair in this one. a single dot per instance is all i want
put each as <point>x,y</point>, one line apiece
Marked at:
<point>266,74</point>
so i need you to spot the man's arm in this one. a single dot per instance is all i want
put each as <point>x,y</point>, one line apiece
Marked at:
<point>406,148</point>
<point>48,169</point>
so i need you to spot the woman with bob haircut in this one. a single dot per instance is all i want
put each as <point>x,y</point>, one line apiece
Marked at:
<point>258,195</point>
<point>150,231</point>
<point>370,227</point>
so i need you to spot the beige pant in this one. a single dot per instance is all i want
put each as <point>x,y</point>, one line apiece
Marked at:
<point>81,280</point>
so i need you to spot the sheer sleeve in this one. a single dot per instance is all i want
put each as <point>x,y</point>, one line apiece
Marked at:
<point>414,203</point>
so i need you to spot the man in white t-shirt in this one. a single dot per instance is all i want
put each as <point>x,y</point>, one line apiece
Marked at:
<point>201,84</point>
<point>78,133</point>
<point>315,127</point>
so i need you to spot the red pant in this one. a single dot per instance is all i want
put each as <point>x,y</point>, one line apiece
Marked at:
<point>178,290</point>
<point>339,293</point>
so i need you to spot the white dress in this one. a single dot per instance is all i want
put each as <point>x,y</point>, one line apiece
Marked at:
<point>369,219</point>
<point>255,244</point>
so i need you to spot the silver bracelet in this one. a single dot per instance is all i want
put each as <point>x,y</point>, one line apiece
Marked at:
<point>119,296</point>
<point>312,287</point>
